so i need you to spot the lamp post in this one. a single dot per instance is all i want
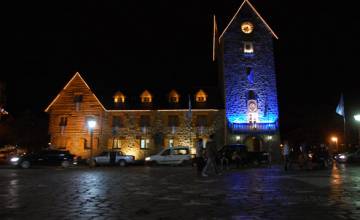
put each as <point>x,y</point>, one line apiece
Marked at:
<point>91,125</point>
<point>335,140</point>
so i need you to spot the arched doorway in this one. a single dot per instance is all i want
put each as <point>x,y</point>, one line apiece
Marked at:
<point>253,143</point>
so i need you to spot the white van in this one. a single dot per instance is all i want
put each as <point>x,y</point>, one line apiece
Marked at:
<point>172,155</point>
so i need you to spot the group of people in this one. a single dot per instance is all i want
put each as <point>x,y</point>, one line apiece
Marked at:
<point>305,156</point>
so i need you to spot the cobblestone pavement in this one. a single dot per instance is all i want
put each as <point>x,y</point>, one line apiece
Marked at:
<point>178,193</point>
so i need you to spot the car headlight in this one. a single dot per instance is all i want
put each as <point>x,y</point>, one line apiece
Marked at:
<point>342,157</point>
<point>147,158</point>
<point>14,159</point>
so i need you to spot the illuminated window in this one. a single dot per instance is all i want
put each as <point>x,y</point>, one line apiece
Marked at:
<point>119,98</point>
<point>144,143</point>
<point>116,143</point>
<point>171,142</point>
<point>173,120</point>
<point>145,121</point>
<point>201,96</point>
<point>253,117</point>
<point>146,97</point>
<point>174,97</point>
<point>248,47</point>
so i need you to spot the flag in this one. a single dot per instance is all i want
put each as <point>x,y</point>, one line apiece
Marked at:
<point>340,107</point>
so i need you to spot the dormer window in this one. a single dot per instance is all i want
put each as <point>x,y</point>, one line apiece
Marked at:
<point>78,98</point>
<point>146,97</point>
<point>201,96</point>
<point>248,47</point>
<point>119,98</point>
<point>174,97</point>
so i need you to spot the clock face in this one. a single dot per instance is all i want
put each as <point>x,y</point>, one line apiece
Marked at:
<point>247,27</point>
<point>252,106</point>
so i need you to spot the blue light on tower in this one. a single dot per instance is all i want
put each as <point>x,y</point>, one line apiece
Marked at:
<point>249,72</point>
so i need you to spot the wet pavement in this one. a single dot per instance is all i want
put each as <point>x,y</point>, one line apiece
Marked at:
<point>178,193</point>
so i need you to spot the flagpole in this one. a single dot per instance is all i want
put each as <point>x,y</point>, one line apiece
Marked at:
<point>190,119</point>
<point>344,132</point>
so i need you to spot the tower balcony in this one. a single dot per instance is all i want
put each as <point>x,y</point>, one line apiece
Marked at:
<point>265,128</point>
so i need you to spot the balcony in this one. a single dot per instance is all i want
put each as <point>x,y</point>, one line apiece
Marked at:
<point>253,127</point>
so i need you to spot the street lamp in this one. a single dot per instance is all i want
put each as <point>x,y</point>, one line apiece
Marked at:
<point>335,140</point>
<point>357,118</point>
<point>91,125</point>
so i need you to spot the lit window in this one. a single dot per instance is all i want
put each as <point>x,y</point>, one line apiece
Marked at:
<point>173,97</point>
<point>171,142</point>
<point>146,97</point>
<point>116,143</point>
<point>144,143</point>
<point>248,47</point>
<point>201,96</point>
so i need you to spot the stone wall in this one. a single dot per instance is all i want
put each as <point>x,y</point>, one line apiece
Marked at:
<point>261,61</point>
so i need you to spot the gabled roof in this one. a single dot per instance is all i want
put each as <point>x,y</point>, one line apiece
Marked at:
<point>256,12</point>
<point>77,74</point>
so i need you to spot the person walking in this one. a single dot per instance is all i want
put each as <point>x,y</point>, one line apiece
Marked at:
<point>199,155</point>
<point>286,153</point>
<point>211,153</point>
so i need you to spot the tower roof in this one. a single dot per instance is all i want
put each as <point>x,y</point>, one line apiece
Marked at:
<point>256,12</point>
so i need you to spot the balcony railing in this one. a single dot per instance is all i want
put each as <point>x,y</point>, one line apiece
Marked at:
<point>253,127</point>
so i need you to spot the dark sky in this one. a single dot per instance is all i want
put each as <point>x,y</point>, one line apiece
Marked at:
<point>140,42</point>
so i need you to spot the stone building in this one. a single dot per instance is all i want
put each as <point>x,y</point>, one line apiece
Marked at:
<point>138,127</point>
<point>242,109</point>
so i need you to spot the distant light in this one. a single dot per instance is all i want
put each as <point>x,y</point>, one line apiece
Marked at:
<point>269,137</point>
<point>357,117</point>
<point>91,123</point>
<point>237,138</point>
<point>334,139</point>
<point>342,156</point>
<point>14,159</point>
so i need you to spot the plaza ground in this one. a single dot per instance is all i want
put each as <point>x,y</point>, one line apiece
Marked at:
<point>178,193</point>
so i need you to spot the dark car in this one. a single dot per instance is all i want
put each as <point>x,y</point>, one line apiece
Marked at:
<point>238,154</point>
<point>44,157</point>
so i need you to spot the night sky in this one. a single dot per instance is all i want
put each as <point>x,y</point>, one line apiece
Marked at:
<point>136,43</point>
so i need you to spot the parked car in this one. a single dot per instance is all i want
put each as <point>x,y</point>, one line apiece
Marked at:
<point>112,158</point>
<point>44,157</point>
<point>350,156</point>
<point>179,155</point>
<point>238,154</point>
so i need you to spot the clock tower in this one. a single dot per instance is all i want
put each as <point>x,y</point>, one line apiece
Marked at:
<point>244,52</point>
